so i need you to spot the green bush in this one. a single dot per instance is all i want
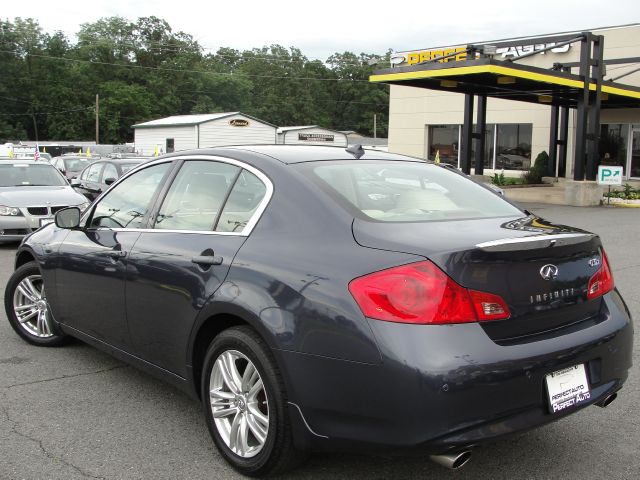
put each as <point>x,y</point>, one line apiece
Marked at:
<point>628,193</point>
<point>538,170</point>
<point>498,179</point>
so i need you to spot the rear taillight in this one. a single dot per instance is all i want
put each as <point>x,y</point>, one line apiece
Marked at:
<point>602,281</point>
<point>422,293</point>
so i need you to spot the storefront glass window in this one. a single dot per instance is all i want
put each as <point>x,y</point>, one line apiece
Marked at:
<point>635,154</point>
<point>513,146</point>
<point>443,141</point>
<point>613,144</point>
<point>488,147</point>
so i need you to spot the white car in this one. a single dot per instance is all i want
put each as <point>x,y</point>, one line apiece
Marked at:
<point>30,194</point>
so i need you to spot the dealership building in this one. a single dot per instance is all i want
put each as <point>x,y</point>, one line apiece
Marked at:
<point>533,99</point>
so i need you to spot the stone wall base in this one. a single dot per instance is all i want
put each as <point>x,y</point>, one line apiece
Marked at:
<point>582,194</point>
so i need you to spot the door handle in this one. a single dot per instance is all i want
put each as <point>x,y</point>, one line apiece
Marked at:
<point>207,260</point>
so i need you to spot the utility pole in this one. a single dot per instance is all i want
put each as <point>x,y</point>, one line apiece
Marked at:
<point>97,119</point>
<point>374,125</point>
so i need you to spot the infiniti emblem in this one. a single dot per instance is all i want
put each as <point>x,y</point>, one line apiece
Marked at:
<point>549,272</point>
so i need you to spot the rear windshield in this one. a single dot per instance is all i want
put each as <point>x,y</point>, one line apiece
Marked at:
<point>407,191</point>
<point>75,164</point>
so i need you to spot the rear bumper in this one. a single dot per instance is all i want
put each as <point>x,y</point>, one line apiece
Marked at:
<point>442,388</point>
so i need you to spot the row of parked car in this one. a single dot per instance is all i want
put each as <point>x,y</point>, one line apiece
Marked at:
<point>31,191</point>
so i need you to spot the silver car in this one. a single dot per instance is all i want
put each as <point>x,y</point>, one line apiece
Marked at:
<point>30,194</point>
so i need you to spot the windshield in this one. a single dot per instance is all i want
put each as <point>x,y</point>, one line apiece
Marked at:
<point>29,174</point>
<point>128,166</point>
<point>75,164</point>
<point>393,191</point>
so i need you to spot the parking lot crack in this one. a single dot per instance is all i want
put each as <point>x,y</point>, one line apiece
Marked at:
<point>14,428</point>
<point>62,377</point>
<point>627,267</point>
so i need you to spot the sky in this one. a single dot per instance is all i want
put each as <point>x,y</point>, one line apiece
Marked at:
<point>322,27</point>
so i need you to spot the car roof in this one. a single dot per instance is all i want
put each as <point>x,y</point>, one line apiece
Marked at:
<point>120,160</point>
<point>291,154</point>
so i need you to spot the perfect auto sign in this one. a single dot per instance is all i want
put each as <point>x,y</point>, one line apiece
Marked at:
<point>419,56</point>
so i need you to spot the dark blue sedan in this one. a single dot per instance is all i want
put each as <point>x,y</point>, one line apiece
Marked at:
<point>316,298</point>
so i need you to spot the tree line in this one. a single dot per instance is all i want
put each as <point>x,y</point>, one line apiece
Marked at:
<point>143,70</point>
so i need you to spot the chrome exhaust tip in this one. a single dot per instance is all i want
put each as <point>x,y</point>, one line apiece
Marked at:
<point>606,401</point>
<point>452,461</point>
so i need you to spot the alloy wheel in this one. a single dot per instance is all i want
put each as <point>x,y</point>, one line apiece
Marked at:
<point>31,308</point>
<point>239,403</point>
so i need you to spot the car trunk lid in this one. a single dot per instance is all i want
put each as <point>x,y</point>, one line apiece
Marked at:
<point>540,270</point>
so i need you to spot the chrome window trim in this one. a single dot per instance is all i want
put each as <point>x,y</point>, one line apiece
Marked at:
<point>248,228</point>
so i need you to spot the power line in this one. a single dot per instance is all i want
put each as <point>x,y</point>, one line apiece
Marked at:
<point>182,70</point>
<point>176,48</point>
<point>44,113</point>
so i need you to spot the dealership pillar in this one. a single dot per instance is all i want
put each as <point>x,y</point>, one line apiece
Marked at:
<point>593,129</point>
<point>563,135</point>
<point>481,126</point>
<point>553,141</point>
<point>583,109</point>
<point>467,135</point>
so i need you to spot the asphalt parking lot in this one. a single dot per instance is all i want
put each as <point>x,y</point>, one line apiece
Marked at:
<point>74,412</point>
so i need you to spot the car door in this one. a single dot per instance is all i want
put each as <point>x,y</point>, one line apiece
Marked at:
<point>92,261</point>
<point>90,184</point>
<point>175,266</point>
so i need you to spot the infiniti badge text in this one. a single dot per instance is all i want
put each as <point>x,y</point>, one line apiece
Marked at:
<point>543,297</point>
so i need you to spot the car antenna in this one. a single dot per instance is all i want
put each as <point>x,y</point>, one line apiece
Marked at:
<point>356,150</point>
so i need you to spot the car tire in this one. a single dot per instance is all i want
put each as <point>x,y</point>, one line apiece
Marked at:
<point>27,309</point>
<point>248,416</point>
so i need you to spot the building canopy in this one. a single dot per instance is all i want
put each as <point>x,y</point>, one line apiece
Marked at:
<point>507,80</point>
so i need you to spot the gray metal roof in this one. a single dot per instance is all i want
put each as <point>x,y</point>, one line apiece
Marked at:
<point>303,127</point>
<point>188,120</point>
<point>307,127</point>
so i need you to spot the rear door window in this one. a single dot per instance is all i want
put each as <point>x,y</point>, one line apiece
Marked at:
<point>244,200</point>
<point>196,196</point>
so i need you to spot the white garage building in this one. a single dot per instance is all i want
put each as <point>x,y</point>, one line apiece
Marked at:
<point>185,132</point>
<point>311,135</point>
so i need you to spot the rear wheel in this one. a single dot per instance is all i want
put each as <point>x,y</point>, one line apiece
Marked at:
<point>245,404</point>
<point>25,302</point>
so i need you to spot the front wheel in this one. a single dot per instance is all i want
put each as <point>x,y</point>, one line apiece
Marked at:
<point>245,405</point>
<point>25,302</point>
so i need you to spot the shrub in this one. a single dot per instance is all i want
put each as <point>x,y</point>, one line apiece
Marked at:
<point>498,179</point>
<point>538,170</point>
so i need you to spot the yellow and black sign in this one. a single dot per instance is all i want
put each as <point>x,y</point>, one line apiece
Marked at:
<point>412,58</point>
<point>239,122</point>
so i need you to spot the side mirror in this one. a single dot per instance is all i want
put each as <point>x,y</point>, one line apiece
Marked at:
<point>109,180</point>
<point>68,218</point>
<point>75,182</point>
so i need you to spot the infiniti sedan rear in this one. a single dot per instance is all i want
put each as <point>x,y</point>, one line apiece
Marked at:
<point>320,299</point>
